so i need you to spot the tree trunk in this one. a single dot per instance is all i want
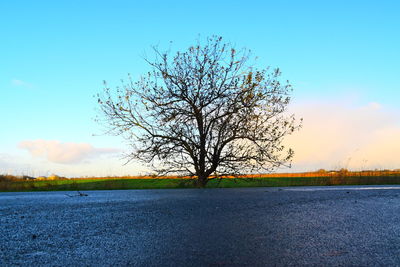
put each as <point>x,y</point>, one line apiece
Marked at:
<point>202,181</point>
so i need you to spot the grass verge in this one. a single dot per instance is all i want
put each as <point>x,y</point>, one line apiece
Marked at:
<point>115,183</point>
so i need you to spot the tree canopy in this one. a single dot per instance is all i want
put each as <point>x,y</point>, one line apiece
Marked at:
<point>202,112</point>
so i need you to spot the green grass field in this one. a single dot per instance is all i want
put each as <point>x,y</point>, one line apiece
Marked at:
<point>115,183</point>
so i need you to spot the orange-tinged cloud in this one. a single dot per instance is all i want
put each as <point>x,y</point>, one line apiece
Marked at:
<point>339,135</point>
<point>58,152</point>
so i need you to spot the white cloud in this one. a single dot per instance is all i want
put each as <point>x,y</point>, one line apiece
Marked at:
<point>67,153</point>
<point>342,135</point>
<point>20,83</point>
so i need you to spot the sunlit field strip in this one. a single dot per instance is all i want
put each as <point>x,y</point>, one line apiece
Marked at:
<point>268,175</point>
<point>260,180</point>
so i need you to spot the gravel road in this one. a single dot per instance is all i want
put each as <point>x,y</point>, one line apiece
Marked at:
<point>313,226</point>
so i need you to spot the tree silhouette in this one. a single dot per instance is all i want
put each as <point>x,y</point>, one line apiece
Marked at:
<point>202,112</point>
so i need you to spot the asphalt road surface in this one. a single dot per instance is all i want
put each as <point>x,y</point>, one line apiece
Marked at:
<point>313,226</point>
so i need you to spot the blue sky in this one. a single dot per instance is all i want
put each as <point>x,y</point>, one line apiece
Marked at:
<point>55,55</point>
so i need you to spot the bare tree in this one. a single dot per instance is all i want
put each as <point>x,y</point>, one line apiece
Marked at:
<point>203,112</point>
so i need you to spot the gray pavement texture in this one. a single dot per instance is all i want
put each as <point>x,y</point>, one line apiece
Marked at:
<point>300,226</point>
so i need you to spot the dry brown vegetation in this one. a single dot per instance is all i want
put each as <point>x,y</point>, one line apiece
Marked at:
<point>319,173</point>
